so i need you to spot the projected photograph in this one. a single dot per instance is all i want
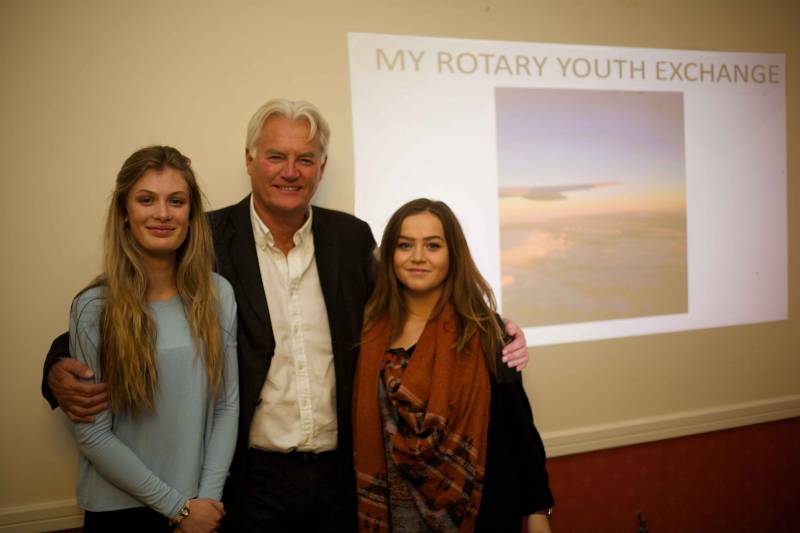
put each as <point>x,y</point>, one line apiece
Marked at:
<point>592,204</point>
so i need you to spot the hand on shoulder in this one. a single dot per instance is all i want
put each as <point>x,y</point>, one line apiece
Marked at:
<point>79,400</point>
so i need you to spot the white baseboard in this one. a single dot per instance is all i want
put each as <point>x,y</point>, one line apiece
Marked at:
<point>64,514</point>
<point>39,517</point>
<point>624,433</point>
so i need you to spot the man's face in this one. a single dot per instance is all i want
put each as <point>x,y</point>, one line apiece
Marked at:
<point>286,168</point>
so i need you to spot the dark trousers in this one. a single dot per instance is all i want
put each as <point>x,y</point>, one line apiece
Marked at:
<point>296,492</point>
<point>136,519</point>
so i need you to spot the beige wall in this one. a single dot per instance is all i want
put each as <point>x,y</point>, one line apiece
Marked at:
<point>84,83</point>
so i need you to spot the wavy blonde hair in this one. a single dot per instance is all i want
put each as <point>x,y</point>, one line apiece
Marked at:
<point>127,329</point>
<point>464,286</point>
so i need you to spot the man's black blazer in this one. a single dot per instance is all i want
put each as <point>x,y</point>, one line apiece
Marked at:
<point>343,248</point>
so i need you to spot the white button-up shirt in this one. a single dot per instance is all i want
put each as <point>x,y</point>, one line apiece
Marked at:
<point>297,410</point>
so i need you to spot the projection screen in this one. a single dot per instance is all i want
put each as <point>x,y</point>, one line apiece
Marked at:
<point>605,192</point>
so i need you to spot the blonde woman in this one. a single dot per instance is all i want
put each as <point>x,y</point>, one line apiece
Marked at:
<point>159,328</point>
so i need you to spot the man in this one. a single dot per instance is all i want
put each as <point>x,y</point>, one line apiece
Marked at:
<point>301,276</point>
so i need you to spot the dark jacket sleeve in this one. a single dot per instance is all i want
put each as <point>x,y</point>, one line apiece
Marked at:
<point>59,349</point>
<point>516,482</point>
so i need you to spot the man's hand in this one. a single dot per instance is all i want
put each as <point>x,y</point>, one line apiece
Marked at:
<point>205,516</point>
<point>80,401</point>
<point>515,353</point>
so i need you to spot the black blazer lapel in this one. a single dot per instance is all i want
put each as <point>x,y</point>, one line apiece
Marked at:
<point>326,253</point>
<point>244,262</point>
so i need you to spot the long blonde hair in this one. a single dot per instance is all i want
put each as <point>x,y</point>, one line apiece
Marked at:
<point>127,329</point>
<point>464,287</point>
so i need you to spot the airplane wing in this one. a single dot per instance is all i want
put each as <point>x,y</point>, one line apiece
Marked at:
<point>551,192</point>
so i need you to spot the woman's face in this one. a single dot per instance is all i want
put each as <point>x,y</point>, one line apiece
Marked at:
<point>421,257</point>
<point>158,211</point>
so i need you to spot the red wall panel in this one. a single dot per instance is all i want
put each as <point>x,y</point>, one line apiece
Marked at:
<point>745,479</point>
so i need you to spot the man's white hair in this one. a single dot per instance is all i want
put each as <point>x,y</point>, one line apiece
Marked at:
<point>293,110</point>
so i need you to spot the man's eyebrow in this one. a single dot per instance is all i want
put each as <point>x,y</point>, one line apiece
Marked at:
<point>275,151</point>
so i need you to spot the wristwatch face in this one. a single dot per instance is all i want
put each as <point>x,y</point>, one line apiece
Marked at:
<point>183,513</point>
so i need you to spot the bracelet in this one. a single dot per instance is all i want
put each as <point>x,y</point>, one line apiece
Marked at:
<point>178,518</point>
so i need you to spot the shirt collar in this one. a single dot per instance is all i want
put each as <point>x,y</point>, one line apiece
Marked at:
<point>263,236</point>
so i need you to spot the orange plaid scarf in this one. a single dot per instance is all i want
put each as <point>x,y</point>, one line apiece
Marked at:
<point>442,401</point>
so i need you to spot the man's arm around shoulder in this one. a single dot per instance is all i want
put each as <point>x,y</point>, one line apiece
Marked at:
<point>62,385</point>
<point>59,349</point>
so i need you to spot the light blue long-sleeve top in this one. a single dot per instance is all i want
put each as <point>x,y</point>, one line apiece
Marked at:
<point>180,450</point>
